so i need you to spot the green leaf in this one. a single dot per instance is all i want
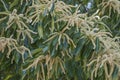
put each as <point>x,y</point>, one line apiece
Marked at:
<point>14,3</point>
<point>52,24</point>
<point>8,77</point>
<point>40,31</point>
<point>97,45</point>
<point>36,50</point>
<point>79,46</point>
<point>87,50</point>
<point>52,6</point>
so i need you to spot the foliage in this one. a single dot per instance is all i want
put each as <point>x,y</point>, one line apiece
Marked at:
<point>59,40</point>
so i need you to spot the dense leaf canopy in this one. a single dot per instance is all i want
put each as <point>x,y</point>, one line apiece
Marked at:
<point>59,39</point>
